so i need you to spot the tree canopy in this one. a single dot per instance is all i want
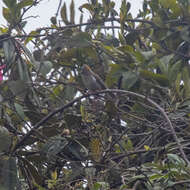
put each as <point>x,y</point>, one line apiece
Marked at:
<point>56,133</point>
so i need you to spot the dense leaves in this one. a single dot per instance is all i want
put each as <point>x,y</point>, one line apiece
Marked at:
<point>57,134</point>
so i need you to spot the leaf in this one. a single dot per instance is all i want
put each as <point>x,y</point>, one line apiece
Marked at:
<point>168,4</point>
<point>186,80</point>
<point>114,74</point>
<point>174,158</point>
<point>9,173</point>
<point>69,92</point>
<point>50,131</point>
<point>174,70</point>
<point>147,148</point>
<point>7,14</point>
<point>178,83</point>
<point>5,139</point>
<point>184,33</point>
<point>129,80</point>
<point>122,39</point>
<point>24,3</point>
<point>100,185</point>
<point>64,14</point>
<point>18,87</point>
<point>20,111</point>
<point>23,71</point>
<point>30,36</point>
<point>26,51</point>
<point>80,39</point>
<point>128,6</point>
<point>95,148</point>
<point>53,147</point>
<point>54,175</point>
<point>9,52</point>
<point>92,53</point>
<point>33,172</point>
<point>81,21</point>
<point>72,12</point>
<point>164,63</point>
<point>82,111</point>
<point>160,78</point>
<point>87,6</point>
<point>73,121</point>
<point>10,3</point>
<point>45,67</point>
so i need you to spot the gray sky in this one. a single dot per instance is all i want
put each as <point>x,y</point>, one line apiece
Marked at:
<point>47,8</point>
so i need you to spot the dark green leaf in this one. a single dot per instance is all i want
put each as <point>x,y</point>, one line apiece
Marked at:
<point>72,12</point>
<point>20,111</point>
<point>64,14</point>
<point>129,79</point>
<point>9,52</point>
<point>25,3</point>
<point>18,88</point>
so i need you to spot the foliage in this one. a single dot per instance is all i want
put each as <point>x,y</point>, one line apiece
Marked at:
<point>59,135</point>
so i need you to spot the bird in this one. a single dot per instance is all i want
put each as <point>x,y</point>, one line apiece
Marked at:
<point>94,83</point>
<point>91,80</point>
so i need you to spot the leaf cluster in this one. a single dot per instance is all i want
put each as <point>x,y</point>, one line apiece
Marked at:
<point>60,135</point>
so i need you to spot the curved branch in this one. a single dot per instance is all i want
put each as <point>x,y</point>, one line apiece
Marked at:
<point>62,108</point>
<point>163,113</point>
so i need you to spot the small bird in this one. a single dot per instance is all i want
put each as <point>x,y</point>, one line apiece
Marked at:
<point>91,80</point>
<point>94,83</point>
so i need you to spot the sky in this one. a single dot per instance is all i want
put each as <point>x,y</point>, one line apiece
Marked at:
<point>47,8</point>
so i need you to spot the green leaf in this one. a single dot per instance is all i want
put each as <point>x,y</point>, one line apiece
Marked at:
<point>129,80</point>
<point>7,14</point>
<point>20,111</point>
<point>174,70</point>
<point>122,39</point>
<point>9,52</point>
<point>73,121</point>
<point>30,36</point>
<point>128,6</point>
<point>72,12</point>
<point>10,3</point>
<point>160,78</point>
<point>114,74</point>
<point>18,88</point>
<point>80,39</point>
<point>23,71</point>
<point>168,3</point>
<point>184,33</point>
<point>174,158</point>
<point>100,185</point>
<point>5,139</point>
<point>43,67</point>
<point>87,6</point>
<point>186,80</point>
<point>64,14</point>
<point>53,147</point>
<point>69,92</point>
<point>9,173</point>
<point>178,83</point>
<point>24,3</point>
<point>154,5</point>
<point>33,172</point>
<point>163,63</point>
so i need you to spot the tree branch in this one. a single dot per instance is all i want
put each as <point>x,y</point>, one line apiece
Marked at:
<point>62,108</point>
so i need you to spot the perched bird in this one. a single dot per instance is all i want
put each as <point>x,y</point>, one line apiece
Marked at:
<point>94,83</point>
<point>91,80</point>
